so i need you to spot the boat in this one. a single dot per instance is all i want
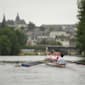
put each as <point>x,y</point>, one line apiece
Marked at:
<point>22,65</point>
<point>25,65</point>
<point>29,64</point>
<point>55,64</point>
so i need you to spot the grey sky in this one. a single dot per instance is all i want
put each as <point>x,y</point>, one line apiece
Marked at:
<point>41,11</point>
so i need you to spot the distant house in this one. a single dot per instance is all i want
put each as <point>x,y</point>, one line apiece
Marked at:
<point>60,36</point>
<point>62,33</point>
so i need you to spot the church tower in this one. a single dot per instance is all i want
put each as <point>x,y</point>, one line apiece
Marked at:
<point>17,20</point>
<point>17,17</point>
<point>3,24</point>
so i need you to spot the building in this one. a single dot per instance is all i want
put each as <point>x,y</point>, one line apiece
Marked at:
<point>60,36</point>
<point>64,33</point>
<point>17,23</point>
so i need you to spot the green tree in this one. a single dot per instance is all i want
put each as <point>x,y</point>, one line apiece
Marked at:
<point>31,26</point>
<point>49,42</point>
<point>11,41</point>
<point>3,24</point>
<point>42,28</point>
<point>5,45</point>
<point>81,27</point>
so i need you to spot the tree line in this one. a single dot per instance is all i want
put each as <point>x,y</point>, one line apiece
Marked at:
<point>11,40</point>
<point>81,27</point>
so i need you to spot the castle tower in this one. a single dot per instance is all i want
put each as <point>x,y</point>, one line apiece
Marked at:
<point>17,18</point>
<point>3,24</point>
<point>19,22</point>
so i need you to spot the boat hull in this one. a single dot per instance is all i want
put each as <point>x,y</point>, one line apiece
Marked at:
<point>56,65</point>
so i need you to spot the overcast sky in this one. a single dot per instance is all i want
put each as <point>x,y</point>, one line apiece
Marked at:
<point>40,11</point>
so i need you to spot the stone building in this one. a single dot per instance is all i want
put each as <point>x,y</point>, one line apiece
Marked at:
<point>64,33</point>
<point>17,23</point>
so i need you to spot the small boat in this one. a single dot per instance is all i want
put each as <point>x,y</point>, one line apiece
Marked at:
<point>55,64</point>
<point>25,65</point>
<point>29,64</point>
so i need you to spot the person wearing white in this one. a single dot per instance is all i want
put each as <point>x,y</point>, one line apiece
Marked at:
<point>61,60</point>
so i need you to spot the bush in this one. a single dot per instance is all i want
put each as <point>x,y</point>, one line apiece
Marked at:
<point>11,41</point>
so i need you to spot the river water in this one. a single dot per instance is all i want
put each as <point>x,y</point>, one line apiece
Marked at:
<point>34,58</point>
<point>41,74</point>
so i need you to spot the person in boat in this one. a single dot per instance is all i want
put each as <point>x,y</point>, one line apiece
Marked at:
<point>60,59</point>
<point>50,56</point>
<point>56,57</point>
<point>53,56</point>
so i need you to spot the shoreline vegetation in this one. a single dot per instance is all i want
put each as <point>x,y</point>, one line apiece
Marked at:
<point>32,53</point>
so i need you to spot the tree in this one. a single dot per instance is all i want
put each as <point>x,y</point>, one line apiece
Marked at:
<point>31,26</point>
<point>11,41</point>
<point>3,24</point>
<point>81,27</point>
<point>42,28</point>
<point>49,42</point>
<point>5,45</point>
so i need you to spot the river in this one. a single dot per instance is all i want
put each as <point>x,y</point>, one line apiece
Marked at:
<point>41,74</point>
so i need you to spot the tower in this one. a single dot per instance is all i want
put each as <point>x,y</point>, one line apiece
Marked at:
<point>17,18</point>
<point>3,24</point>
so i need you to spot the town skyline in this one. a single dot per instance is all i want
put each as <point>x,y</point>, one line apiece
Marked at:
<point>41,11</point>
<point>23,21</point>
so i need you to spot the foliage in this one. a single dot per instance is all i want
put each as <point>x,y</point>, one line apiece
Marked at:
<point>11,41</point>
<point>49,42</point>
<point>31,26</point>
<point>42,28</point>
<point>36,48</point>
<point>3,24</point>
<point>81,27</point>
<point>4,45</point>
